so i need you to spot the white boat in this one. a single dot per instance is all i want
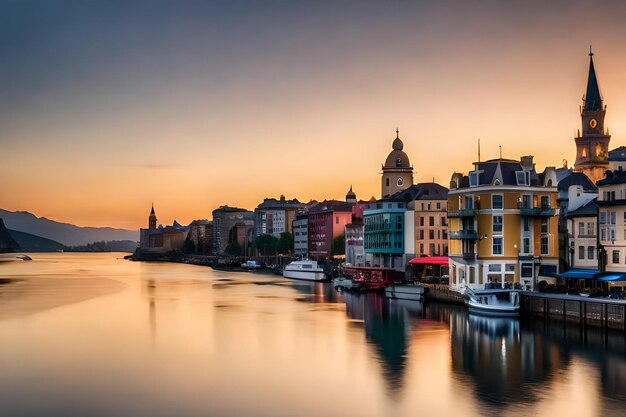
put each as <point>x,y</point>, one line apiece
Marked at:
<point>308,270</point>
<point>502,302</point>
<point>251,265</point>
<point>405,292</point>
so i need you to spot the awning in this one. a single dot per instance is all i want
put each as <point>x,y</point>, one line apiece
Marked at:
<point>548,271</point>
<point>580,273</point>
<point>430,260</point>
<point>611,276</point>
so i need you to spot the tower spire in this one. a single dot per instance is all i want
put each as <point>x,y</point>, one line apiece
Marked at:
<point>593,100</point>
<point>397,133</point>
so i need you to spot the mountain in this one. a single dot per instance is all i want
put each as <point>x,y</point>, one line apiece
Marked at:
<point>7,242</point>
<point>65,233</point>
<point>32,243</point>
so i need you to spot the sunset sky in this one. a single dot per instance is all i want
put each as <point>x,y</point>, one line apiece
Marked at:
<point>108,106</point>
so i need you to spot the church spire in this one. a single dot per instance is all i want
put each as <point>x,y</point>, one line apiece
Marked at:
<point>593,101</point>
<point>152,211</point>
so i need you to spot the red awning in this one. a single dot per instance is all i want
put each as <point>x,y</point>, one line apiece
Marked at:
<point>430,260</point>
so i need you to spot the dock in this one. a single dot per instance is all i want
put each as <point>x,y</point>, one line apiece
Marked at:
<point>584,311</point>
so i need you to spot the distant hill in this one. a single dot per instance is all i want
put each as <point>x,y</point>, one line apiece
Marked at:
<point>7,241</point>
<point>32,243</point>
<point>65,233</point>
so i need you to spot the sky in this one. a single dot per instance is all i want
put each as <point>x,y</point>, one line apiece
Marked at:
<point>109,106</point>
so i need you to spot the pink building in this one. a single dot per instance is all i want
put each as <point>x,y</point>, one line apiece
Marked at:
<point>327,220</point>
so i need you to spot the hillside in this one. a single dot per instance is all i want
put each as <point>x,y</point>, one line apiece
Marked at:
<point>7,241</point>
<point>32,243</point>
<point>64,233</point>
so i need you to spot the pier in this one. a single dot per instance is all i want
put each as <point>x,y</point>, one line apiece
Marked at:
<point>584,311</point>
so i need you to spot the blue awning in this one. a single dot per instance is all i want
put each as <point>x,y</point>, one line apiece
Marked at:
<point>580,273</point>
<point>611,276</point>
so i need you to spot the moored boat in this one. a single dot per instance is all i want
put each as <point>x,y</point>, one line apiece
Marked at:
<point>346,284</point>
<point>251,265</point>
<point>498,302</point>
<point>307,270</point>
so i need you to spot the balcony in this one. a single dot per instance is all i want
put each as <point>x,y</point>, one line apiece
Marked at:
<point>462,213</point>
<point>469,256</point>
<point>537,211</point>
<point>463,235</point>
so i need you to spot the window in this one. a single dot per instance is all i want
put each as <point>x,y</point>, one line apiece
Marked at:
<point>526,245</point>
<point>473,179</point>
<point>527,270</point>
<point>526,224</point>
<point>581,252</point>
<point>523,177</point>
<point>603,233</point>
<point>497,225</point>
<point>431,221</point>
<point>438,206</point>
<point>387,182</point>
<point>545,250</point>
<point>431,234</point>
<point>590,252</point>
<point>613,235</point>
<point>615,256</point>
<point>421,234</point>
<point>421,221</point>
<point>497,246</point>
<point>495,268</point>
<point>591,228</point>
<point>603,217</point>
<point>545,201</point>
<point>581,229</point>
<point>527,201</point>
<point>336,219</point>
<point>469,202</point>
<point>544,226</point>
<point>496,202</point>
<point>421,248</point>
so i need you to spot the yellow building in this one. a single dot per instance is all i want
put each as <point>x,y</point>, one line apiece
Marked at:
<point>503,223</point>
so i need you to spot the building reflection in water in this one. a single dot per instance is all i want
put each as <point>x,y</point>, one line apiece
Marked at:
<point>386,326</point>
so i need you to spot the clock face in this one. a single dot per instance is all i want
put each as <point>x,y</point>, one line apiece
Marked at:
<point>400,182</point>
<point>593,123</point>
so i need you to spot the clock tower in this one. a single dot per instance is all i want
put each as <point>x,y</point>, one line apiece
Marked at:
<point>397,170</point>
<point>592,147</point>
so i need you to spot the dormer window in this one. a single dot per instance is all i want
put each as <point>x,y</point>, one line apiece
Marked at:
<point>522,177</point>
<point>399,162</point>
<point>473,177</point>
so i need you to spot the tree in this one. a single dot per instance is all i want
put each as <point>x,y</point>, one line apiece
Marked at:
<point>266,244</point>
<point>339,246</point>
<point>233,248</point>
<point>285,243</point>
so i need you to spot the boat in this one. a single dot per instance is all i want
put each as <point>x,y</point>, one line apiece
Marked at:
<point>251,265</point>
<point>307,270</point>
<point>372,278</point>
<point>405,292</point>
<point>496,302</point>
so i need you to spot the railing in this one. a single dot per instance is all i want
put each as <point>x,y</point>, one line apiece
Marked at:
<point>462,213</point>
<point>469,256</point>
<point>463,235</point>
<point>537,211</point>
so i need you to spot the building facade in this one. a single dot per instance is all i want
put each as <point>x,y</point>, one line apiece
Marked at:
<point>429,209</point>
<point>201,234</point>
<point>301,235</point>
<point>384,223</point>
<point>355,234</point>
<point>326,221</point>
<point>273,217</point>
<point>503,224</point>
<point>593,144</point>
<point>397,170</point>
<point>232,224</point>
<point>612,216</point>
<point>162,239</point>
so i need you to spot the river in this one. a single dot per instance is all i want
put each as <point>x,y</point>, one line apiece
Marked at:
<point>96,335</point>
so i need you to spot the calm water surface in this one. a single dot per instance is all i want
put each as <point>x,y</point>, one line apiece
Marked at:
<point>92,335</point>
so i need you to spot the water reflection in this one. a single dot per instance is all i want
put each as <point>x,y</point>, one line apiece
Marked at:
<point>170,339</point>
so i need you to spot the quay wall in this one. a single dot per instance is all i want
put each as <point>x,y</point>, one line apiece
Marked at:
<point>606,314</point>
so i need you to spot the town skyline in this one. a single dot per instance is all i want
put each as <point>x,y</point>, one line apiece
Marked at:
<point>229,105</point>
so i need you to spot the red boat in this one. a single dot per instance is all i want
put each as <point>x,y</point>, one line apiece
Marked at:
<point>372,278</point>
